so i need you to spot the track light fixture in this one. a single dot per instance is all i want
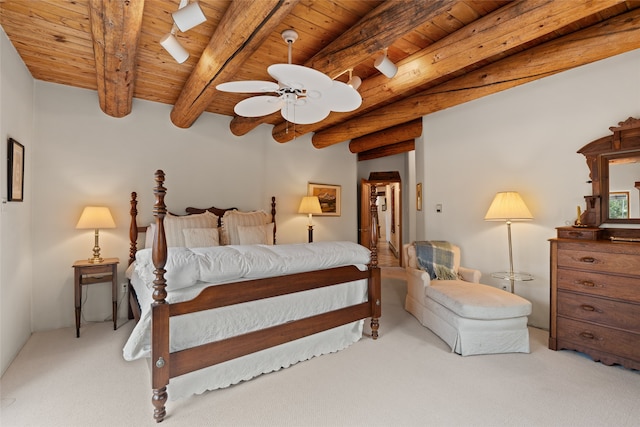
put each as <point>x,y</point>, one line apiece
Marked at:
<point>354,81</point>
<point>385,66</point>
<point>188,16</point>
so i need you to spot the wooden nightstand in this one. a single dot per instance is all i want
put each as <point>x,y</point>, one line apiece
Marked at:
<point>87,273</point>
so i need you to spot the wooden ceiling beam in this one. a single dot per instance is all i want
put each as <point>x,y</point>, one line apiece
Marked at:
<point>488,36</point>
<point>242,30</point>
<point>374,32</point>
<point>115,29</point>
<point>403,132</point>
<point>608,38</point>
<point>387,150</point>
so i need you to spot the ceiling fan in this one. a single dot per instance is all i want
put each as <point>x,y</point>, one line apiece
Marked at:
<point>303,95</point>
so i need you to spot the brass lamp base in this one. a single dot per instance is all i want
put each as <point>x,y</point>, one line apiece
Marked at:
<point>96,251</point>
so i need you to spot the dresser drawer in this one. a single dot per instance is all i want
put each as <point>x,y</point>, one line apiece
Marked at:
<point>624,288</point>
<point>583,233</point>
<point>605,262</point>
<point>623,344</point>
<point>616,314</point>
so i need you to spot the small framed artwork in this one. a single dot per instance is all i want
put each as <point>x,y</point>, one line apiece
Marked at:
<point>329,196</point>
<point>15,178</point>
<point>419,196</point>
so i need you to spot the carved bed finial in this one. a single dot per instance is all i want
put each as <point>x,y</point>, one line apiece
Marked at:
<point>133,228</point>
<point>159,251</point>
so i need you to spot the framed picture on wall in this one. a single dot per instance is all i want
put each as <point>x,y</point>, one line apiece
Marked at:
<point>329,196</point>
<point>15,178</point>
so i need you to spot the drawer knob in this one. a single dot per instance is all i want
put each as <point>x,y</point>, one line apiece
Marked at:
<point>588,284</point>
<point>587,307</point>
<point>587,335</point>
<point>588,259</point>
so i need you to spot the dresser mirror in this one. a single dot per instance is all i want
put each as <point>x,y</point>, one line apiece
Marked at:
<point>614,164</point>
<point>621,188</point>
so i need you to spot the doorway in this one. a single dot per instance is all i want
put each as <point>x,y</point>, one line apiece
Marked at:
<point>388,187</point>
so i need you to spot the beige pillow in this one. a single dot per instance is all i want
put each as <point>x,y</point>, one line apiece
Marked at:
<point>256,234</point>
<point>234,219</point>
<point>200,237</point>
<point>173,226</point>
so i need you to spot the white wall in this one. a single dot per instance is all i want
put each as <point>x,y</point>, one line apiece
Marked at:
<point>16,121</point>
<point>86,157</point>
<point>524,139</point>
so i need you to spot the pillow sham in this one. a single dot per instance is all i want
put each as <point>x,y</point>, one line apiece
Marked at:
<point>256,234</point>
<point>200,237</point>
<point>233,219</point>
<point>173,226</point>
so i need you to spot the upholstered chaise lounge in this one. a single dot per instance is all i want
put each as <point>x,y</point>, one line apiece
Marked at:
<point>470,317</point>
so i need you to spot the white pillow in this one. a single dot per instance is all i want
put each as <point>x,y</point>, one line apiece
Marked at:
<point>200,237</point>
<point>173,226</point>
<point>256,234</point>
<point>233,219</point>
<point>148,238</point>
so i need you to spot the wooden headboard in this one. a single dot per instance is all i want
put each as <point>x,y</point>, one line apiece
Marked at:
<point>135,230</point>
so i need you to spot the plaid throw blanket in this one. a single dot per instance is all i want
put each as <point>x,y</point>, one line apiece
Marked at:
<point>436,258</point>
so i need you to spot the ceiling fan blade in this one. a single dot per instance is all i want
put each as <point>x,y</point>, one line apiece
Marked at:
<point>258,106</point>
<point>304,113</point>
<point>339,97</point>
<point>299,77</point>
<point>248,86</point>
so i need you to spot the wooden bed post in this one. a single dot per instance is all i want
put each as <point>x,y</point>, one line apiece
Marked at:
<point>159,307</point>
<point>374,281</point>
<point>133,228</point>
<point>273,217</point>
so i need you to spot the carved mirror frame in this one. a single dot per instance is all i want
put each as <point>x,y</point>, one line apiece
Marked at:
<point>624,142</point>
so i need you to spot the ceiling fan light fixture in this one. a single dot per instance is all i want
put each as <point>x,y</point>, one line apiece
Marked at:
<point>383,64</point>
<point>171,44</point>
<point>188,17</point>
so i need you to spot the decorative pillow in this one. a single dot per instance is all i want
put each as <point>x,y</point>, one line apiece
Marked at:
<point>173,226</point>
<point>256,234</point>
<point>233,219</point>
<point>148,238</point>
<point>200,237</point>
<point>437,259</point>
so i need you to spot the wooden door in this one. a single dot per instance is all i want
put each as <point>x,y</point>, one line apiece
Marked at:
<point>365,214</point>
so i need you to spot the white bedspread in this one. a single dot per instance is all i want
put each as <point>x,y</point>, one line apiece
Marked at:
<point>201,267</point>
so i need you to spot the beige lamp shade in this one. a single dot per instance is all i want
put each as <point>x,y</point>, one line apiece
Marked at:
<point>508,206</point>
<point>96,217</point>
<point>310,205</point>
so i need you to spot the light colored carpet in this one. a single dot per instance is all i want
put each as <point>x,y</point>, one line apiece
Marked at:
<point>408,377</point>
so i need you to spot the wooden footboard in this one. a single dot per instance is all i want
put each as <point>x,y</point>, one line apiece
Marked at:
<point>167,365</point>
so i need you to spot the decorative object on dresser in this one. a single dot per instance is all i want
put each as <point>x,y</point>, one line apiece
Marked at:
<point>96,217</point>
<point>87,273</point>
<point>194,304</point>
<point>310,205</point>
<point>508,206</point>
<point>595,268</point>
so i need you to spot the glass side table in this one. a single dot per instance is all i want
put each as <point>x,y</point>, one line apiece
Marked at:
<point>512,277</point>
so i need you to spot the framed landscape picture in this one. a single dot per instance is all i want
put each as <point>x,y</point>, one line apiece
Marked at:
<point>15,169</point>
<point>329,196</point>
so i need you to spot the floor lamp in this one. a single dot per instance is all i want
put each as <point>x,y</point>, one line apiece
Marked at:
<point>508,206</point>
<point>310,205</point>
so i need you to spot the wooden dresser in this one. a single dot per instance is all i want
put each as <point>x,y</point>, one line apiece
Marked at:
<point>595,296</point>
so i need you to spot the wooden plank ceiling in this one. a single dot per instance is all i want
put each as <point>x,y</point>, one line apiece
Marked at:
<point>448,52</point>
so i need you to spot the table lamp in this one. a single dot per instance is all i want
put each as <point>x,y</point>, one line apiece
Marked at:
<point>96,217</point>
<point>310,205</point>
<point>508,206</point>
